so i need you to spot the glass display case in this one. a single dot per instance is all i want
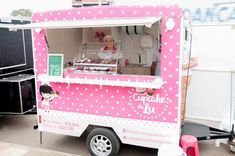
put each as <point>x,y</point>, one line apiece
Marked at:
<point>92,59</point>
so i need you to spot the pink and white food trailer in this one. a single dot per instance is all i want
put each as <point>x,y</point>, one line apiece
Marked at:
<point>124,103</point>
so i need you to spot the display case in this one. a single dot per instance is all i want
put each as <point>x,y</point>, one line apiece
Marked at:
<point>89,60</point>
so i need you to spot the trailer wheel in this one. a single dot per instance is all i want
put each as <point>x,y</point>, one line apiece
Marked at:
<point>102,142</point>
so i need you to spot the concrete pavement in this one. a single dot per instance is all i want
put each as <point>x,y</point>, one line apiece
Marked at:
<point>9,149</point>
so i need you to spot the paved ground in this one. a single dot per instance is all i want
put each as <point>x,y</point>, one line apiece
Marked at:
<point>9,149</point>
<point>18,138</point>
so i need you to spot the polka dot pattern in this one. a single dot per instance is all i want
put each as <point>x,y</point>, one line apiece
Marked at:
<point>114,101</point>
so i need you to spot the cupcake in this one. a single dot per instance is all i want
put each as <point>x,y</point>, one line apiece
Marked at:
<point>150,91</point>
<point>140,90</point>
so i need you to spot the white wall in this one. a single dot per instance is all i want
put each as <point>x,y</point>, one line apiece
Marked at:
<point>66,41</point>
<point>209,95</point>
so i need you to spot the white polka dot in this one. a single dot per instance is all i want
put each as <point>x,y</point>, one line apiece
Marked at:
<point>81,94</point>
<point>135,12</point>
<point>172,13</point>
<point>89,12</point>
<point>170,63</point>
<point>101,95</point>
<point>59,13</point>
<point>77,99</point>
<point>91,94</point>
<point>117,102</point>
<point>100,12</point>
<point>160,13</point>
<point>164,69</point>
<point>171,50</point>
<point>78,12</point>
<point>147,13</point>
<point>171,36</point>
<point>111,11</point>
<point>102,106</point>
<point>67,98</point>
<point>165,43</point>
<point>123,12</point>
<point>170,75</point>
<point>117,91</point>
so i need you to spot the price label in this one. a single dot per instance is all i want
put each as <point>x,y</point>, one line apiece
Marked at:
<point>55,64</point>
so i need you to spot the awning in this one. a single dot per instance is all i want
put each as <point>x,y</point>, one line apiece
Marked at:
<point>87,23</point>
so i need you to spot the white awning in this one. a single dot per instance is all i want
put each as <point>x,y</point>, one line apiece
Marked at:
<point>87,23</point>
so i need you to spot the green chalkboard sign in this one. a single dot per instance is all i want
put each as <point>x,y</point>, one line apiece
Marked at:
<point>55,65</point>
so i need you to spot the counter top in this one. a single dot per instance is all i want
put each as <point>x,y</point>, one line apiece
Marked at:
<point>106,79</point>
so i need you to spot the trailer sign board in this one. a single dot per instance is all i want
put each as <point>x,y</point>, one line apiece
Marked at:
<point>55,65</point>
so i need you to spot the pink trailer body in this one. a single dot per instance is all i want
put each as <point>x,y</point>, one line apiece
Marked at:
<point>145,117</point>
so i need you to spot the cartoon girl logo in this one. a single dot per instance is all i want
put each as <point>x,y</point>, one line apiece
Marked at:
<point>47,95</point>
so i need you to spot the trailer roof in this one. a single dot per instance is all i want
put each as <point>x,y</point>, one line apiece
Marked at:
<point>87,23</point>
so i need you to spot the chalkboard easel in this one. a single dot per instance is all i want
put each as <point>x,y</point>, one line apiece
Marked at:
<point>55,65</point>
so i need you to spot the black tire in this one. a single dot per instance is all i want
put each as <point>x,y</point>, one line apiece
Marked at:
<point>102,142</point>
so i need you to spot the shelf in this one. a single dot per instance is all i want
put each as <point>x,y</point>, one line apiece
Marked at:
<point>95,64</point>
<point>106,79</point>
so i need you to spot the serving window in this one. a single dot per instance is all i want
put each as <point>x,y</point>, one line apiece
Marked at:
<point>134,47</point>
